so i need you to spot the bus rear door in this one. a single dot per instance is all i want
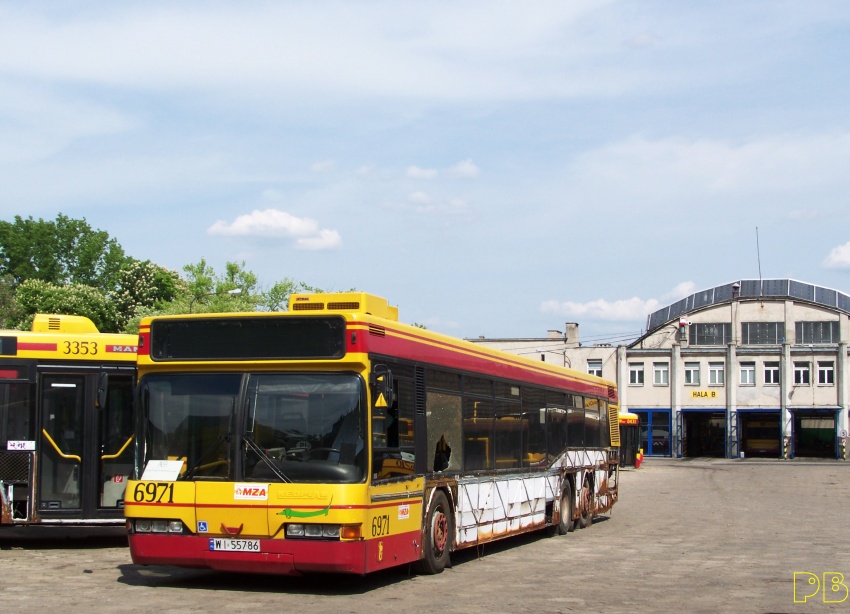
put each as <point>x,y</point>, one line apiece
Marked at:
<point>84,447</point>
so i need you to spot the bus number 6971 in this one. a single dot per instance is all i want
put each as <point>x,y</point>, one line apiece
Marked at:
<point>380,525</point>
<point>151,492</point>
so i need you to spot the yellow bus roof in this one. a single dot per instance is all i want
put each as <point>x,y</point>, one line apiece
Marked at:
<point>66,337</point>
<point>628,418</point>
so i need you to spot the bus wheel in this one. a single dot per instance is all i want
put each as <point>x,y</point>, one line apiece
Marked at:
<point>437,538</point>
<point>586,503</point>
<point>566,523</point>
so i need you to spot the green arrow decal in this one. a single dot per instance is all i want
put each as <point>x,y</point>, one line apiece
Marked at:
<point>291,513</point>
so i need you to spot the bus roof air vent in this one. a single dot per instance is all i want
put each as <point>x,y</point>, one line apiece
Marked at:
<point>52,323</point>
<point>308,307</point>
<point>355,302</point>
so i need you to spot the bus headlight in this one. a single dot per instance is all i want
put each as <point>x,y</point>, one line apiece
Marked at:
<point>295,530</point>
<point>150,525</point>
<point>328,532</point>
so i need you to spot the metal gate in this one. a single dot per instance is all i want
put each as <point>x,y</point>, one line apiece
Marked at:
<point>733,441</point>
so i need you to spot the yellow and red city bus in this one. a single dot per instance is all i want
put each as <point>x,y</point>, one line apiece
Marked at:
<point>66,422</point>
<point>332,438</point>
<point>629,439</point>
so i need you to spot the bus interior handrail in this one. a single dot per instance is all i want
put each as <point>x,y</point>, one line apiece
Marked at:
<point>58,451</point>
<point>119,452</point>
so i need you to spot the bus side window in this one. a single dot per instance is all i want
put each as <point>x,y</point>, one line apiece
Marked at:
<point>392,433</point>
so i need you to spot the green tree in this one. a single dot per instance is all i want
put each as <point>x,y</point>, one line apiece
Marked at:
<point>203,290</point>
<point>11,314</point>
<point>61,252</point>
<point>38,296</point>
<point>144,285</point>
<point>234,290</point>
<point>276,298</point>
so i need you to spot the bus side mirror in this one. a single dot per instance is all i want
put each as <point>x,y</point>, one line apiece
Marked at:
<point>382,387</point>
<point>102,389</point>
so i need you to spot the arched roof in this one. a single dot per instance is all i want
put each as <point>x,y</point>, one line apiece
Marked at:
<point>750,289</point>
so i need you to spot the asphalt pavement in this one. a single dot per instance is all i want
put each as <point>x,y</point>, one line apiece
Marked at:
<point>697,535</point>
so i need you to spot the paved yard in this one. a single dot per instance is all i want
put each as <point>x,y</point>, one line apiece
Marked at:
<point>687,536</point>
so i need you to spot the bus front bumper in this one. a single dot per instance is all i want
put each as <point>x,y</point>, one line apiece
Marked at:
<point>276,556</point>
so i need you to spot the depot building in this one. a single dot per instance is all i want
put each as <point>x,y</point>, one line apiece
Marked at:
<point>751,368</point>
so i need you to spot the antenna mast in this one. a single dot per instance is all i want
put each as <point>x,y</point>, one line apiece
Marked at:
<point>758,253</point>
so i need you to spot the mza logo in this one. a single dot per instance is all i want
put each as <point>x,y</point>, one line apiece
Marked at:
<point>253,492</point>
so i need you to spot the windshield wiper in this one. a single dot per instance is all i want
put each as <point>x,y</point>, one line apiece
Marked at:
<point>206,455</point>
<point>265,458</point>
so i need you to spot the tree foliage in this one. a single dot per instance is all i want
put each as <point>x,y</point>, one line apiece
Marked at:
<point>11,313</point>
<point>61,252</point>
<point>38,296</point>
<point>66,267</point>
<point>142,285</point>
<point>276,298</point>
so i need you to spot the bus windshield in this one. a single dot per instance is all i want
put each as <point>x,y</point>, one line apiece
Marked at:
<point>269,427</point>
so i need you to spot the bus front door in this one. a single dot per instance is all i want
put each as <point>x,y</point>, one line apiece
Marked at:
<point>84,451</point>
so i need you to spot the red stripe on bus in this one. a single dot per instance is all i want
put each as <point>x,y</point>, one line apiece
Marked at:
<point>36,347</point>
<point>258,505</point>
<point>448,354</point>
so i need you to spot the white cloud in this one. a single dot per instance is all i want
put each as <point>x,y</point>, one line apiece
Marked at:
<point>38,123</point>
<point>424,203</point>
<point>275,223</point>
<point>414,172</point>
<point>465,170</point>
<point>685,288</point>
<point>266,223</point>
<point>838,258</point>
<point>323,166</point>
<point>326,239</point>
<point>410,50</point>
<point>680,167</point>
<point>803,214</point>
<point>420,198</point>
<point>600,309</point>
<point>624,310</point>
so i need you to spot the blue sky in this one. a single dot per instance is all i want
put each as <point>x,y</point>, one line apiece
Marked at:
<point>491,168</point>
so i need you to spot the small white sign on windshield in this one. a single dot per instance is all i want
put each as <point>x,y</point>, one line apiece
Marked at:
<point>162,470</point>
<point>20,446</point>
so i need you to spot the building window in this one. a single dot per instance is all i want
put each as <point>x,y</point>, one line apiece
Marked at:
<point>661,374</point>
<point>594,367</point>
<point>710,334</point>
<point>817,332</point>
<point>716,373</point>
<point>801,374</point>
<point>636,373</point>
<point>762,333</point>
<point>692,373</point>
<point>771,373</point>
<point>826,372</point>
<point>748,373</point>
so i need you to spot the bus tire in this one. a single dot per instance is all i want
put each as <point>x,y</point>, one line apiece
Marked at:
<point>565,524</point>
<point>437,540</point>
<point>586,505</point>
